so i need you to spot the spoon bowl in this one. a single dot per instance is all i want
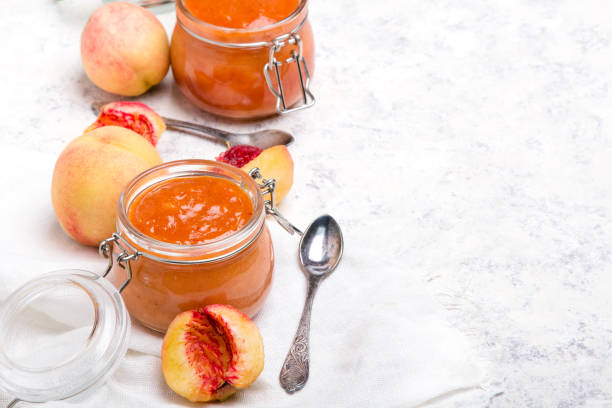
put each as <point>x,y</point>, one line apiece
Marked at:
<point>321,246</point>
<point>320,251</point>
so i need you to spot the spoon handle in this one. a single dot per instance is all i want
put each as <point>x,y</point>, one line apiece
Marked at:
<point>294,374</point>
<point>199,130</point>
<point>153,3</point>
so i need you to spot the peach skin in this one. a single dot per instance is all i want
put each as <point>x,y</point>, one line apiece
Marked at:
<point>124,49</point>
<point>89,176</point>
<point>273,163</point>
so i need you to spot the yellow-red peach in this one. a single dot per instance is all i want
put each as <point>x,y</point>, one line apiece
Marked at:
<point>124,49</point>
<point>89,176</point>
<point>209,353</point>
<point>135,116</point>
<point>273,163</point>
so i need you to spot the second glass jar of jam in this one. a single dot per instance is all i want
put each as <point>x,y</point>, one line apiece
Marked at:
<point>243,59</point>
<point>191,233</point>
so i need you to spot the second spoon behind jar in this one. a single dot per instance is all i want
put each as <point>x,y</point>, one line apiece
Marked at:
<point>260,138</point>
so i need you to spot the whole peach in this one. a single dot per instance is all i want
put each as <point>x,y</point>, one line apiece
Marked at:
<point>89,176</point>
<point>124,49</point>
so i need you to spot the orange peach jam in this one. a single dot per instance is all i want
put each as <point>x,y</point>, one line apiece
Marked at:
<point>241,13</point>
<point>191,210</point>
<point>198,227</point>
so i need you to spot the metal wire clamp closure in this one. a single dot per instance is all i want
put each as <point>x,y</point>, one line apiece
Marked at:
<point>123,259</point>
<point>273,64</point>
<point>268,187</point>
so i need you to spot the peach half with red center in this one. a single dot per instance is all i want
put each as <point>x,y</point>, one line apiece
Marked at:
<point>135,116</point>
<point>273,163</point>
<point>210,353</point>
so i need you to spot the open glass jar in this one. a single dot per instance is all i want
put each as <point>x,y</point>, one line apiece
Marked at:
<point>166,279</point>
<point>244,72</point>
<point>62,334</point>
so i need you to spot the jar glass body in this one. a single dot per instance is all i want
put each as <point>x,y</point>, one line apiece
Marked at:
<point>169,278</point>
<point>219,72</point>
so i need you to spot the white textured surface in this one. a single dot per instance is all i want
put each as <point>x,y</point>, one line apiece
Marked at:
<point>468,142</point>
<point>368,337</point>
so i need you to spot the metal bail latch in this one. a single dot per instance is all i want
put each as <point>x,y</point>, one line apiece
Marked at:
<point>308,98</point>
<point>105,249</point>
<point>267,187</point>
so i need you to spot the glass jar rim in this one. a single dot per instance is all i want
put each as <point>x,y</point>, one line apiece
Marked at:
<point>173,252</point>
<point>180,4</point>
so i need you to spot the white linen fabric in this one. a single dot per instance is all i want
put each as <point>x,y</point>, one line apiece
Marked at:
<point>378,336</point>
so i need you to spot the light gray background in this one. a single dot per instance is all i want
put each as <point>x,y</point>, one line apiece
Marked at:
<point>468,141</point>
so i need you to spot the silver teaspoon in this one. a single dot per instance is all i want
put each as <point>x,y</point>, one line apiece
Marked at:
<point>261,138</point>
<point>320,251</point>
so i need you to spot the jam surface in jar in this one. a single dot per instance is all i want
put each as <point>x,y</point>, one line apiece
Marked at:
<point>240,13</point>
<point>191,210</point>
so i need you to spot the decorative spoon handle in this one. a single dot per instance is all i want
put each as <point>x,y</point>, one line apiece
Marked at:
<point>294,374</point>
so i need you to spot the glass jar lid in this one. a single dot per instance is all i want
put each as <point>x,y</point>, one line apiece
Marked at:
<point>60,334</point>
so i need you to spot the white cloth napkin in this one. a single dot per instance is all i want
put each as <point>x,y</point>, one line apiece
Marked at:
<point>378,337</point>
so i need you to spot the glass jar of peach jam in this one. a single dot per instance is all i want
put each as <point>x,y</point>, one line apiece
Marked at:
<point>166,278</point>
<point>248,71</point>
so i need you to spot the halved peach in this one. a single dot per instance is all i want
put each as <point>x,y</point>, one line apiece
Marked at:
<point>135,116</point>
<point>273,163</point>
<point>209,353</point>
